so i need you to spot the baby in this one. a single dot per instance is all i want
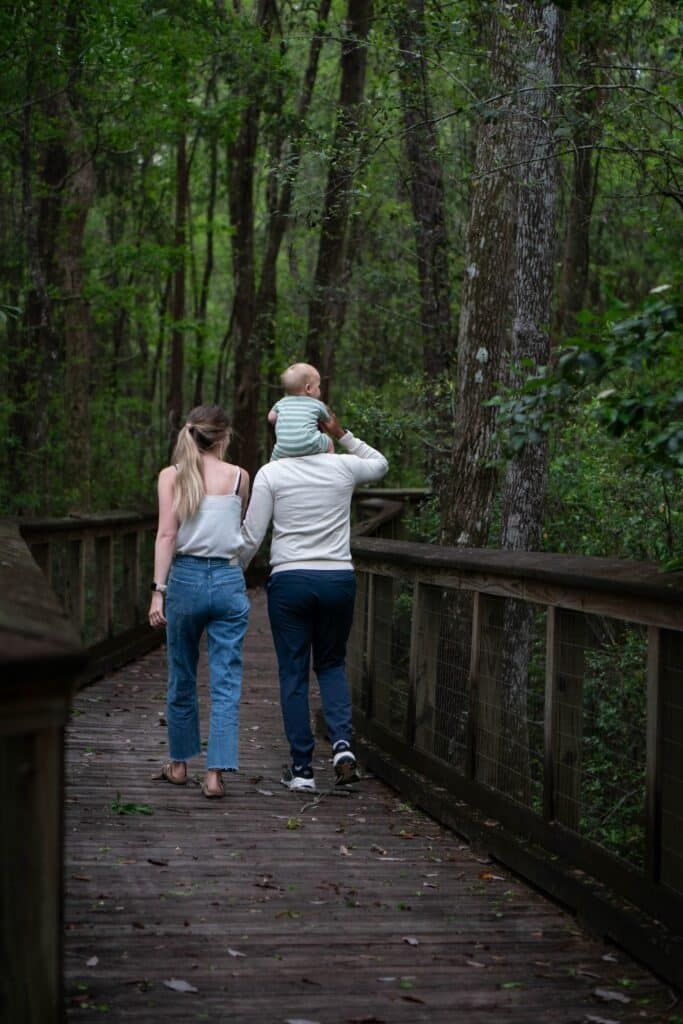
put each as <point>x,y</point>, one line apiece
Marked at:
<point>296,416</point>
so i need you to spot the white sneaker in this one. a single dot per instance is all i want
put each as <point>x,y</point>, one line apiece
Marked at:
<point>298,778</point>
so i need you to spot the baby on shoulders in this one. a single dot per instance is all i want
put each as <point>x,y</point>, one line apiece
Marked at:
<point>296,416</point>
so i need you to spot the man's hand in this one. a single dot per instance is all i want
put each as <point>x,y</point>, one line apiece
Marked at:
<point>332,426</point>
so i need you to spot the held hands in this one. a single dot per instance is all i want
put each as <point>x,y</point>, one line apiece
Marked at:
<point>156,616</point>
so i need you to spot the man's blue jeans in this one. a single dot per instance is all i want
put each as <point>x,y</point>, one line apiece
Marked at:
<point>205,593</point>
<point>312,611</point>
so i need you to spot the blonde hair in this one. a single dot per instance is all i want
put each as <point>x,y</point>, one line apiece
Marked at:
<point>296,377</point>
<point>206,427</point>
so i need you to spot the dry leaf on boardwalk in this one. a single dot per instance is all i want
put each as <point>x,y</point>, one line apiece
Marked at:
<point>178,985</point>
<point>610,996</point>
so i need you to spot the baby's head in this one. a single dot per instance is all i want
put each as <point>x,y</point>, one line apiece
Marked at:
<point>301,379</point>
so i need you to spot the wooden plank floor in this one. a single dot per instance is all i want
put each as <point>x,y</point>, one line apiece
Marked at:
<point>358,909</point>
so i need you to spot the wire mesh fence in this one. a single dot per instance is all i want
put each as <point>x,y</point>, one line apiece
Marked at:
<point>545,706</point>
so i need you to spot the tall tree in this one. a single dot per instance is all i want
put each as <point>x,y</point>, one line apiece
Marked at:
<point>241,162</point>
<point>176,365</point>
<point>484,330</point>
<point>537,51</point>
<point>347,136</point>
<point>426,190</point>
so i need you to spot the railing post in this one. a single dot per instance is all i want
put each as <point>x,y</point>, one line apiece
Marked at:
<point>75,581</point>
<point>104,587</point>
<point>380,607</point>
<point>473,710</point>
<point>357,660</point>
<point>39,659</point>
<point>670,754</point>
<point>130,544</point>
<point>42,556</point>
<point>550,714</point>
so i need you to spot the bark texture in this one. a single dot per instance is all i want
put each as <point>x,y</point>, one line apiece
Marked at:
<point>247,386</point>
<point>524,487</point>
<point>484,329</point>
<point>426,191</point>
<point>324,307</point>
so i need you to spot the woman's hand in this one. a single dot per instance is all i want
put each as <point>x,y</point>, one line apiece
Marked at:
<point>332,426</point>
<point>157,619</point>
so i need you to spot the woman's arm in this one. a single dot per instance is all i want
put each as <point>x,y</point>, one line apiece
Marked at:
<point>244,490</point>
<point>164,545</point>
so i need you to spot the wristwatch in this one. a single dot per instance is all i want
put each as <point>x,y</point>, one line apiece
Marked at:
<point>161,587</point>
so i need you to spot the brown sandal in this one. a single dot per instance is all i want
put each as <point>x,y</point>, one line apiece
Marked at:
<point>214,794</point>
<point>167,773</point>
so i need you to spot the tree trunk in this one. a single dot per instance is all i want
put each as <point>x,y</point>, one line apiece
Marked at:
<point>330,262</point>
<point>203,300</point>
<point>279,213</point>
<point>576,258</point>
<point>483,336</point>
<point>526,472</point>
<point>79,193</point>
<point>426,191</point>
<point>247,383</point>
<point>177,353</point>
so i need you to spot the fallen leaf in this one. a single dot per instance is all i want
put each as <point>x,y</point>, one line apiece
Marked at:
<point>81,878</point>
<point>265,792</point>
<point>592,1019</point>
<point>388,978</point>
<point>300,1020</point>
<point>178,985</point>
<point>474,963</point>
<point>410,940</point>
<point>92,962</point>
<point>610,996</point>
<point>235,952</point>
<point>413,999</point>
<point>610,958</point>
<point>158,863</point>
<point>138,924</point>
<point>344,851</point>
<point>488,876</point>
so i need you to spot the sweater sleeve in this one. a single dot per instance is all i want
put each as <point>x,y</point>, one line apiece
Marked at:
<point>367,463</point>
<point>257,519</point>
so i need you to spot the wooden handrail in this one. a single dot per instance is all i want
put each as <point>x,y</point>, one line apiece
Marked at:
<point>40,659</point>
<point>460,603</point>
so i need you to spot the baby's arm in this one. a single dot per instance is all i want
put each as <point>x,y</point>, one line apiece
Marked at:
<point>272,416</point>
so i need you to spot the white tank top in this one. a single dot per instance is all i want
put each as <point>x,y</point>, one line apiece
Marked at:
<point>214,529</point>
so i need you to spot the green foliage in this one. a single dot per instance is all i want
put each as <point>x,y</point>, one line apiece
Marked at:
<point>629,371</point>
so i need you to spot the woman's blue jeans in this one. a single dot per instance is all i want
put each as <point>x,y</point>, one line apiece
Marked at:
<point>312,611</point>
<point>205,594</point>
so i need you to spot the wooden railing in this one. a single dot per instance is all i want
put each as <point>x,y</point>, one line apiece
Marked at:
<point>542,696</point>
<point>100,567</point>
<point>40,661</point>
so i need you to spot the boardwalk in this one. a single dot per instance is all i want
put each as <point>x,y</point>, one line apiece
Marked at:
<point>354,909</point>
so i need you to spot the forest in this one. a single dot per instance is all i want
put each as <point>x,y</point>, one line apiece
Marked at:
<point>465,213</point>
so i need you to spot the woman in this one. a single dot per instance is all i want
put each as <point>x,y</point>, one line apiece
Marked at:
<point>202,500</point>
<point>312,588</point>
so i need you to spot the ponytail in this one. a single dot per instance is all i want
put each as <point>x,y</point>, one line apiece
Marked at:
<point>206,427</point>
<point>189,484</point>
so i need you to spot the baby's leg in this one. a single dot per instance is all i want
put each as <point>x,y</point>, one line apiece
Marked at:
<point>330,447</point>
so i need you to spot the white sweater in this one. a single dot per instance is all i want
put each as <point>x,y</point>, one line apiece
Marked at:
<point>309,501</point>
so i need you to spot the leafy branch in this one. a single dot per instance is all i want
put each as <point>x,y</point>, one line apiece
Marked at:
<point>631,375</point>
